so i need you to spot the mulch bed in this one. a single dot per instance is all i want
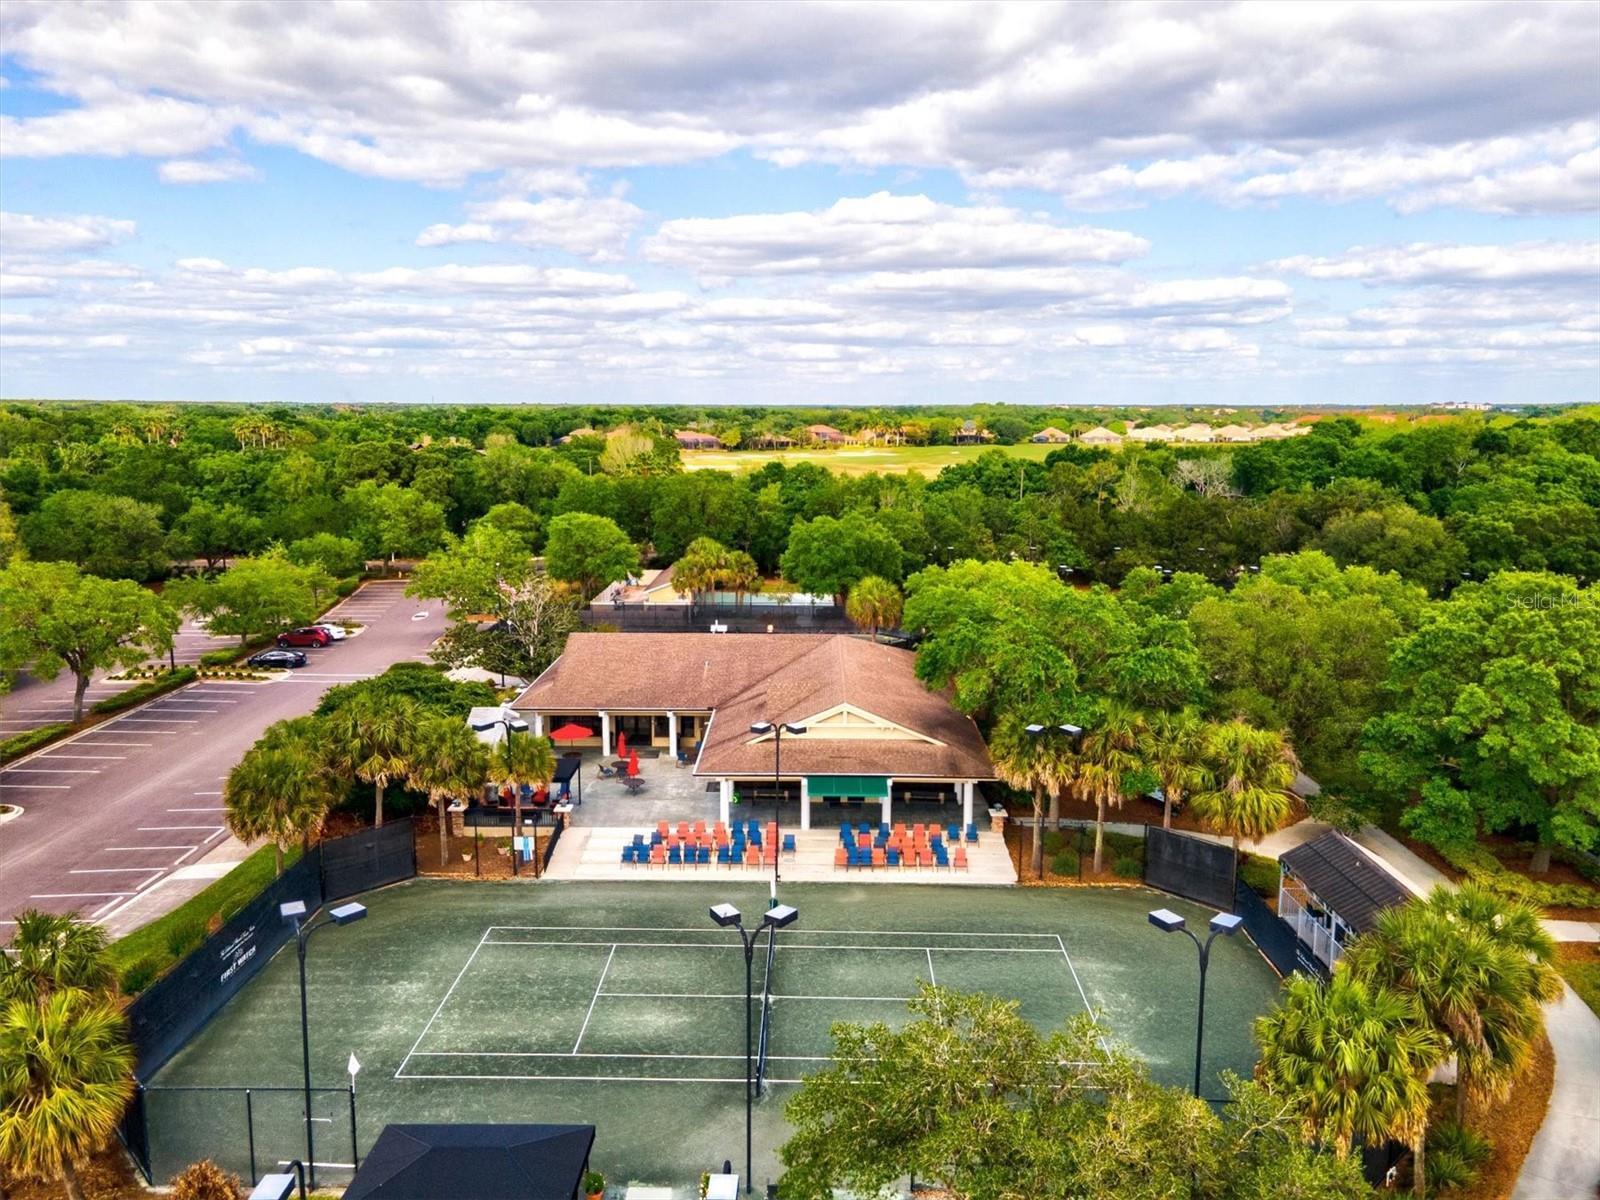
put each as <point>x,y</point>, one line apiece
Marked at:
<point>108,1176</point>
<point>483,859</point>
<point>1503,849</point>
<point>1511,1124</point>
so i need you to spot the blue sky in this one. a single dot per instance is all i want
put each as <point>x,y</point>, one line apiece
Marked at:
<point>801,203</point>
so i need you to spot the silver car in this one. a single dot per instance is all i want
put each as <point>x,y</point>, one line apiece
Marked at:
<point>337,632</point>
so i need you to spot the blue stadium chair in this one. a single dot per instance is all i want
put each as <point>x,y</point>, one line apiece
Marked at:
<point>705,856</point>
<point>788,843</point>
<point>627,854</point>
<point>940,857</point>
<point>882,839</point>
<point>972,831</point>
<point>753,827</point>
<point>722,855</point>
<point>953,834</point>
<point>638,839</point>
<point>655,837</point>
<point>892,857</point>
<point>883,830</point>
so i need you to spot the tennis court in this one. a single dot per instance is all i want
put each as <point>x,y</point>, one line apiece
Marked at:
<point>621,1004</point>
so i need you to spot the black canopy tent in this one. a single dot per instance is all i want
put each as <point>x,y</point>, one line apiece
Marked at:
<point>474,1162</point>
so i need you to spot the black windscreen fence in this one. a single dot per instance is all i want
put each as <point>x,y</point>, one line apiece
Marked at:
<point>163,1019</point>
<point>1190,867</point>
<point>369,859</point>
<point>1272,936</point>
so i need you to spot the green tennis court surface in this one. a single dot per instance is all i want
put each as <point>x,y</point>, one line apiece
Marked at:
<point>620,1004</point>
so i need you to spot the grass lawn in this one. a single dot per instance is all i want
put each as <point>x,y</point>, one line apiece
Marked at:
<point>160,944</point>
<point>857,460</point>
<point>1579,964</point>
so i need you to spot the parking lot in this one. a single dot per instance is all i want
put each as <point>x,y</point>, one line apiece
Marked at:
<point>136,802</point>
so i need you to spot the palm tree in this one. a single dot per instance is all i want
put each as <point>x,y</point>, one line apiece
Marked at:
<point>741,575</point>
<point>281,789</point>
<point>525,761</point>
<point>1251,771</point>
<point>66,1073</point>
<point>1353,1059</point>
<point>1480,967</point>
<point>1173,748</point>
<point>49,953</point>
<point>875,603</point>
<point>371,738</point>
<point>1109,756</point>
<point>699,567</point>
<point>448,762</point>
<point>1039,765</point>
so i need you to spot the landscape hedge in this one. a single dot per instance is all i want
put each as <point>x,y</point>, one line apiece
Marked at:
<point>148,690</point>
<point>1484,869</point>
<point>16,747</point>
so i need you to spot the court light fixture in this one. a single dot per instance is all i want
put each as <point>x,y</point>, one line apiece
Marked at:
<point>1223,925</point>
<point>345,914</point>
<point>281,1184</point>
<point>724,914</point>
<point>781,916</point>
<point>292,910</point>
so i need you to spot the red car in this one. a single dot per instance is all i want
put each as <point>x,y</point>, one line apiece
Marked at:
<point>309,636</point>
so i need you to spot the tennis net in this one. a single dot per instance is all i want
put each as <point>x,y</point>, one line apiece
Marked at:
<point>766,1016</point>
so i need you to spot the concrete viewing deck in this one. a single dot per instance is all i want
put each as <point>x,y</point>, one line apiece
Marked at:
<point>590,852</point>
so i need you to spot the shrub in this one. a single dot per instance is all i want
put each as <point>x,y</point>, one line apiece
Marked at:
<point>1454,1155</point>
<point>1054,842</point>
<point>184,936</point>
<point>140,692</point>
<point>140,974</point>
<point>1483,868</point>
<point>219,658</point>
<point>593,1182</point>
<point>1260,875</point>
<point>16,747</point>
<point>1065,863</point>
<point>345,586</point>
<point>1127,867</point>
<point>205,1180</point>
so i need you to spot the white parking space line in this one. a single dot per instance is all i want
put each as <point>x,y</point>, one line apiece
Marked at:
<point>116,870</point>
<point>38,787</point>
<point>210,793</point>
<point>54,754</point>
<point>169,828</point>
<point>69,895</point>
<point>52,770</point>
<point>121,849</point>
<point>129,745</point>
<point>213,808</point>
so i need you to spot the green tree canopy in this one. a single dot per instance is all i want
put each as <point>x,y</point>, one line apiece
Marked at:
<point>256,596</point>
<point>589,551</point>
<point>827,556</point>
<point>339,557</point>
<point>113,536</point>
<point>1493,716</point>
<point>54,617</point>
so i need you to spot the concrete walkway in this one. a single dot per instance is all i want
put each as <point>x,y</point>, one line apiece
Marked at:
<point>1564,1161</point>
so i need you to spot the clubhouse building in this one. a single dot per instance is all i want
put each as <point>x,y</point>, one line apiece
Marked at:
<point>874,739</point>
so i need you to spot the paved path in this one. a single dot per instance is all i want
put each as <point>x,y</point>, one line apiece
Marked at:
<point>1564,1161</point>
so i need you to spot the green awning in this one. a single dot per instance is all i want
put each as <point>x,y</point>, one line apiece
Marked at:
<point>867,787</point>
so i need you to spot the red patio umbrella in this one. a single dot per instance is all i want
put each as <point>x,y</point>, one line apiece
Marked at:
<point>570,732</point>
<point>622,744</point>
<point>633,764</point>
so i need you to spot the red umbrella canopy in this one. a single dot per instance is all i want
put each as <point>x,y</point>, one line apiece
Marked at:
<point>633,763</point>
<point>570,732</point>
<point>622,745</point>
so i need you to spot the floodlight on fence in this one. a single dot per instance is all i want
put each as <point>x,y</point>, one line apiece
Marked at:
<point>292,910</point>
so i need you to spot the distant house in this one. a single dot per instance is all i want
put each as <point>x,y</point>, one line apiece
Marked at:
<point>1151,433</point>
<point>1050,434</point>
<point>690,439</point>
<point>770,441</point>
<point>1233,433</point>
<point>828,435</point>
<point>652,587</point>
<point>1192,433</point>
<point>1274,432</point>
<point>1100,436</point>
<point>581,431</point>
<point>970,435</point>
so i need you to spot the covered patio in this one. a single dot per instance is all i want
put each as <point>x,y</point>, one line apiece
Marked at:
<point>1329,891</point>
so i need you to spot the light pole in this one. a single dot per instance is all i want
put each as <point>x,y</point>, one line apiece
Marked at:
<point>1168,921</point>
<point>773,919</point>
<point>511,721</point>
<point>777,731</point>
<point>294,914</point>
<point>1074,734</point>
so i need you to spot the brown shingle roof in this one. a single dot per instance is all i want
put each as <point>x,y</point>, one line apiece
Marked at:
<point>753,677</point>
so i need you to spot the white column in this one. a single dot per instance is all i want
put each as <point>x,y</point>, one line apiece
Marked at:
<point>805,803</point>
<point>605,735</point>
<point>888,795</point>
<point>967,788</point>
<point>672,735</point>
<point>538,724</point>
<point>725,799</point>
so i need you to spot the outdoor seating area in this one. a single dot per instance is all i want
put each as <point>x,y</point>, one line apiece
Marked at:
<point>917,845</point>
<point>744,844</point>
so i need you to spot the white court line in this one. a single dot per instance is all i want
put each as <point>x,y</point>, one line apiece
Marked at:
<point>740,996</point>
<point>789,949</point>
<point>442,1003</point>
<point>1087,1007</point>
<point>595,998</point>
<point>938,933</point>
<point>931,978</point>
<point>593,1078</point>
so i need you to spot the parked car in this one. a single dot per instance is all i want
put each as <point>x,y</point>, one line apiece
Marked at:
<point>337,632</point>
<point>311,635</point>
<point>278,658</point>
